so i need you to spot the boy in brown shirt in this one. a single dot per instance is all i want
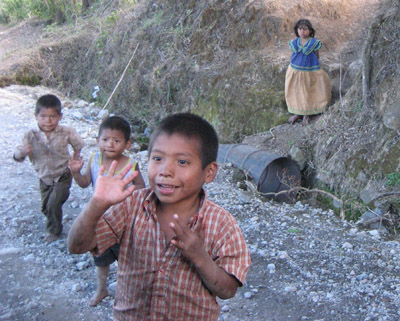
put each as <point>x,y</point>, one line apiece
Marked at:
<point>47,149</point>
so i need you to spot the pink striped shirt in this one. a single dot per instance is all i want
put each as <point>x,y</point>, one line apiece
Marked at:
<point>155,282</point>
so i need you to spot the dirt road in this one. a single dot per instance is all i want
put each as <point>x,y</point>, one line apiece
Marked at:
<point>38,281</point>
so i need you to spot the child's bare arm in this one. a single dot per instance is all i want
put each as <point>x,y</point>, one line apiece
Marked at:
<point>82,235</point>
<point>139,181</point>
<point>191,244</point>
<point>109,190</point>
<point>75,165</point>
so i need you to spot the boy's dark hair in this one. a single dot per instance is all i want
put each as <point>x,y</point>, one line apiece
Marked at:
<point>307,23</point>
<point>48,101</point>
<point>116,123</point>
<point>191,126</point>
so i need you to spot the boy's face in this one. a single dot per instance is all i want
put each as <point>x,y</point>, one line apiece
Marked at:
<point>48,119</point>
<point>112,143</point>
<point>175,169</point>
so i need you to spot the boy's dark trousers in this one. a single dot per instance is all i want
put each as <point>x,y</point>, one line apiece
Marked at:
<point>53,198</point>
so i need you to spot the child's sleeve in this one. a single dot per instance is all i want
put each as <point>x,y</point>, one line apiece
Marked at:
<point>75,140</point>
<point>315,46</point>
<point>292,45</point>
<point>232,253</point>
<point>19,155</point>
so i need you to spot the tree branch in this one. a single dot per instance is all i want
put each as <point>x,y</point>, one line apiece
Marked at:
<point>120,79</point>
<point>306,190</point>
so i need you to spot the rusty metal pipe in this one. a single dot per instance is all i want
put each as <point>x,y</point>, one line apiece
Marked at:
<point>270,172</point>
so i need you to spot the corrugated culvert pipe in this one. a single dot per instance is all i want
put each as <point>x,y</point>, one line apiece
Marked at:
<point>270,172</point>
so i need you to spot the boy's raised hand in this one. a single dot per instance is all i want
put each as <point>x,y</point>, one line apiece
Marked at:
<point>75,163</point>
<point>189,242</point>
<point>27,150</point>
<point>112,189</point>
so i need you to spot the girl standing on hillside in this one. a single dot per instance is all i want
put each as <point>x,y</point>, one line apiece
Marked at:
<point>307,86</point>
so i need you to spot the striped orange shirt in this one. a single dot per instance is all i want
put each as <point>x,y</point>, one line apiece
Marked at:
<point>155,281</point>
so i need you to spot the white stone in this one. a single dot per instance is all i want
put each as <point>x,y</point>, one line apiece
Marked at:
<point>103,114</point>
<point>347,245</point>
<point>81,104</point>
<point>290,288</point>
<point>82,265</point>
<point>353,231</point>
<point>77,115</point>
<point>74,204</point>
<point>225,308</point>
<point>283,255</point>
<point>374,233</point>
<point>29,257</point>
<point>76,287</point>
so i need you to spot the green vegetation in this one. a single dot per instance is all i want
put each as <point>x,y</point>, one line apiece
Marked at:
<point>242,111</point>
<point>54,10</point>
<point>27,78</point>
<point>152,21</point>
<point>393,179</point>
<point>130,2</point>
<point>354,209</point>
<point>352,206</point>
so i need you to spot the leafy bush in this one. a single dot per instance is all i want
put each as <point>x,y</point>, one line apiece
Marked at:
<point>393,179</point>
<point>55,10</point>
<point>15,9</point>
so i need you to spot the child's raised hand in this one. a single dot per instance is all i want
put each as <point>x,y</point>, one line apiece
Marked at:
<point>75,163</point>
<point>112,189</point>
<point>189,242</point>
<point>27,150</point>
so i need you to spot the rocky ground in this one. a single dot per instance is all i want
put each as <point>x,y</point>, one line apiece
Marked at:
<point>307,263</point>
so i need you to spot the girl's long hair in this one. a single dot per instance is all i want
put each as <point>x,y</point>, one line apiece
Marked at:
<point>307,23</point>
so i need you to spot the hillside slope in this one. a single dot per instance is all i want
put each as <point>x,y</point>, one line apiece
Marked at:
<point>222,59</point>
<point>226,60</point>
<point>357,150</point>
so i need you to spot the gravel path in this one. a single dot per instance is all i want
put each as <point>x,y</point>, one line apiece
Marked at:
<point>307,263</point>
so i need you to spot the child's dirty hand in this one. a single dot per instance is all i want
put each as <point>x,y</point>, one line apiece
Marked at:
<point>27,150</point>
<point>75,163</point>
<point>112,189</point>
<point>189,242</point>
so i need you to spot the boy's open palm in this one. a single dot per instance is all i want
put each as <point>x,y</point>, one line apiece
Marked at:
<point>75,163</point>
<point>112,189</point>
<point>189,242</point>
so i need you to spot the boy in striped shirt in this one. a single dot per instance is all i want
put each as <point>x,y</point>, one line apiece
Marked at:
<point>179,251</point>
